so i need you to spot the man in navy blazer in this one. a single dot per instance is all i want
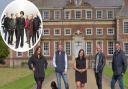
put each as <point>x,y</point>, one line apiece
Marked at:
<point>119,66</point>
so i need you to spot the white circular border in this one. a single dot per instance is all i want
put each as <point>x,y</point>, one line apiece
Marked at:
<point>40,34</point>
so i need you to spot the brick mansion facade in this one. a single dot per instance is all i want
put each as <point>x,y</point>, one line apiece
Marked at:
<point>81,24</point>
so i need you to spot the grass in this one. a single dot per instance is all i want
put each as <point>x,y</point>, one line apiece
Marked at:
<point>18,78</point>
<point>108,72</point>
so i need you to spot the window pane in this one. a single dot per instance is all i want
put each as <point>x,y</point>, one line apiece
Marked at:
<point>30,52</point>
<point>99,31</point>
<point>125,27</point>
<point>110,31</point>
<point>57,15</point>
<point>126,48</point>
<point>78,14</point>
<point>46,15</point>
<point>68,48</point>
<point>99,14</point>
<point>46,48</point>
<point>89,47</point>
<point>56,46</point>
<point>46,32</point>
<point>67,14</point>
<point>110,47</point>
<point>110,14</point>
<point>19,54</point>
<point>89,14</point>
<point>89,31</point>
<point>67,31</point>
<point>57,32</point>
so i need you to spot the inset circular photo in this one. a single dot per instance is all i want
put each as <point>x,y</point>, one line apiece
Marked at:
<point>21,25</point>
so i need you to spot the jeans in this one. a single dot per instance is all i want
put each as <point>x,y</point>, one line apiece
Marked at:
<point>64,76</point>
<point>120,81</point>
<point>99,79</point>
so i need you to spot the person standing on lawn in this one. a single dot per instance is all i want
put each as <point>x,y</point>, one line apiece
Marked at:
<point>99,66</point>
<point>38,64</point>
<point>119,66</point>
<point>60,64</point>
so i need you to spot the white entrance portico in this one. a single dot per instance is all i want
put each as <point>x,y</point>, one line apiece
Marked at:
<point>78,43</point>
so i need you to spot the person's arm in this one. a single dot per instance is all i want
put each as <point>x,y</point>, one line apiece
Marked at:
<point>124,62</point>
<point>84,69</point>
<point>30,64</point>
<point>46,63</point>
<point>113,63</point>
<point>103,62</point>
<point>54,61</point>
<point>66,63</point>
<point>75,68</point>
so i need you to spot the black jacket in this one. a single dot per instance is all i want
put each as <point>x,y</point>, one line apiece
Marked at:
<point>101,63</point>
<point>6,23</point>
<point>39,64</point>
<point>36,23</point>
<point>119,63</point>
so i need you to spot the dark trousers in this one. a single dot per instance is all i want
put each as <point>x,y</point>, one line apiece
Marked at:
<point>98,77</point>
<point>20,36</point>
<point>16,33</point>
<point>39,82</point>
<point>10,36</point>
<point>37,32</point>
<point>34,37</point>
<point>5,32</point>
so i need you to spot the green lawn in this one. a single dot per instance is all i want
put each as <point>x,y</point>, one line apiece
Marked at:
<point>18,78</point>
<point>108,72</point>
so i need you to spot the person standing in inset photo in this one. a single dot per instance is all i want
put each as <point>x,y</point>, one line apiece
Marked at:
<point>11,29</point>
<point>6,24</point>
<point>16,28</point>
<point>80,70</point>
<point>20,30</point>
<point>38,64</point>
<point>27,27</point>
<point>30,30</point>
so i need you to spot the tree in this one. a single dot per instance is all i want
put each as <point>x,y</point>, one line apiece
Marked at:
<point>4,51</point>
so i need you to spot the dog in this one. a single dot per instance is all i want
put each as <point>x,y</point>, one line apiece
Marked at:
<point>53,85</point>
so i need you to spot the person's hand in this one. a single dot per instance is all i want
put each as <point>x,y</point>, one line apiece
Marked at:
<point>122,74</point>
<point>65,71</point>
<point>83,70</point>
<point>33,69</point>
<point>80,70</point>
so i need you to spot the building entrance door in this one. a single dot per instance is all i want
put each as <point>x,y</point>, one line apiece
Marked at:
<point>78,43</point>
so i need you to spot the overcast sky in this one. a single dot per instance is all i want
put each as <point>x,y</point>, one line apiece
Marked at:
<point>3,4</point>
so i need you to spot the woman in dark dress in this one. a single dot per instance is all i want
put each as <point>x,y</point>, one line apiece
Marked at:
<point>80,70</point>
<point>37,63</point>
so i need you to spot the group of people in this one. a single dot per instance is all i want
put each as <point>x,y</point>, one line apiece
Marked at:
<point>38,64</point>
<point>18,24</point>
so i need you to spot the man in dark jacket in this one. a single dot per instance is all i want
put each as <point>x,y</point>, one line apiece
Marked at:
<point>98,66</point>
<point>20,30</point>
<point>6,25</point>
<point>119,66</point>
<point>11,29</point>
<point>36,26</point>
